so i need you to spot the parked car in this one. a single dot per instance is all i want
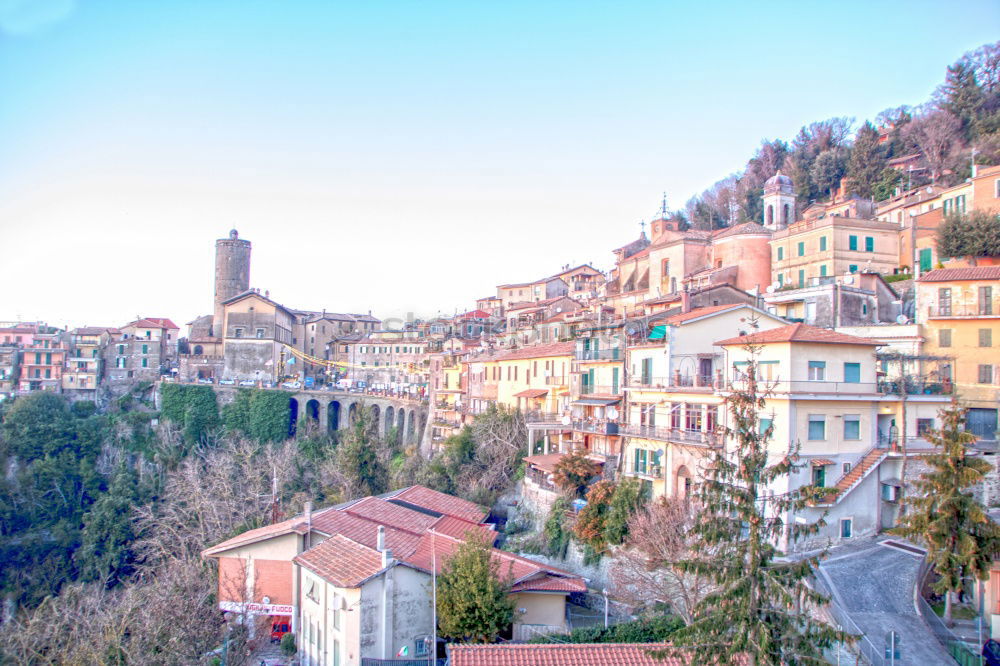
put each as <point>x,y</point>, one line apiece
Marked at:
<point>205,380</point>
<point>227,382</point>
<point>292,385</point>
<point>991,653</point>
<point>247,382</point>
<point>267,384</point>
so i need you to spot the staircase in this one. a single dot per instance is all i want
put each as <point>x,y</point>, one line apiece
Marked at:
<point>858,472</point>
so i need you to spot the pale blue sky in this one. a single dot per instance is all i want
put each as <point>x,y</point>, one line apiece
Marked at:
<point>400,156</point>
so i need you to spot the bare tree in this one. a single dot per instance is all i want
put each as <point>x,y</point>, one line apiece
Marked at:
<point>645,570</point>
<point>938,136</point>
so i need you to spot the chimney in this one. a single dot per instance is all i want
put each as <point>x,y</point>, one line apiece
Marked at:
<point>380,540</point>
<point>685,301</point>
<point>307,512</point>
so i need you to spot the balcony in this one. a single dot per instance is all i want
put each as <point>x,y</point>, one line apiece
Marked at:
<point>963,311</point>
<point>807,386</point>
<point>668,434</point>
<point>542,417</point>
<point>558,380</point>
<point>916,386</point>
<point>676,382</point>
<point>614,354</point>
<point>599,389</point>
<point>647,471</point>
<point>609,428</point>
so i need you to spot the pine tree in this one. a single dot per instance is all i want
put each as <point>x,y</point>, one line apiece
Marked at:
<point>757,607</point>
<point>961,539</point>
<point>473,602</point>
<point>365,473</point>
<point>864,169</point>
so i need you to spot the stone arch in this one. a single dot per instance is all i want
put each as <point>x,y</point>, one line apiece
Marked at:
<point>389,420</point>
<point>411,427</point>
<point>352,413</point>
<point>293,416</point>
<point>198,350</point>
<point>375,414</point>
<point>785,214</point>
<point>422,425</point>
<point>769,219</point>
<point>682,488</point>
<point>333,416</point>
<point>401,423</point>
<point>312,409</point>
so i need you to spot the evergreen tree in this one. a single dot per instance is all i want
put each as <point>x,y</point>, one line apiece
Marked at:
<point>961,539</point>
<point>756,608</point>
<point>473,601</point>
<point>358,457</point>
<point>864,169</point>
<point>628,499</point>
<point>573,471</point>
<point>961,95</point>
<point>105,552</point>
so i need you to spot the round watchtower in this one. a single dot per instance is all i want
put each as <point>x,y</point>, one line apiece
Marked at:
<point>232,274</point>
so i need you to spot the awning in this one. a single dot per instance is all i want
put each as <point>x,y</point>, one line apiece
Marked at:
<point>658,333</point>
<point>820,462</point>
<point>892,482</point>
<point>531,393</point>
<point>595,402</point>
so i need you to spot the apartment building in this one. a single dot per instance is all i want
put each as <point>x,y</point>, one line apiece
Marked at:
<point>42,361</point>
<point>85,363</point>
<point>141,350</point>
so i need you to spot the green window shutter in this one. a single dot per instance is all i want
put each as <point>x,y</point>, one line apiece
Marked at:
<point>853,268</point>
<point>822,243</point>
<point>647,370</point>
<point>925,259</point>
<point>852,373</point>
<point>852,243</point>
<point>781,280</point>
<point>802,249</point>
<point>781,253</point>
<point>869,244</point>
<point>802,277</point>
<point>852,428</point>
<point>764,424</point>
<point>822,270</point>
<point>614,380</point>
<point>38,358</point>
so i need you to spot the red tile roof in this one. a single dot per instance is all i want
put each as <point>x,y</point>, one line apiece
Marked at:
<point>531,393</point>
<point>296,525</point>
<point>537,351</point>
<point>341,561</point>
<point>701,312</point>
<point>457,528</point>
<point>364,531</point>
<point>547,583</point>
<point>745,228</point>
<point>562,654</point>
<point>954,274</point>
<point>443,503</point>
<point>389,514</point>
<point>474,314</point>
<point>798,333</point>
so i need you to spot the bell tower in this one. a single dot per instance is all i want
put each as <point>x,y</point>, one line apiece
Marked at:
<point>779,201</point>
<point>232,275</point>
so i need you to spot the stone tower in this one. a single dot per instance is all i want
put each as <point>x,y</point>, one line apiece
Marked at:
<point>779,201</point>
<point>232,275</point>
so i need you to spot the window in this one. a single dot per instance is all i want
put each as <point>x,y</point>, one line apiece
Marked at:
<point>985,337</point>
<point>238,333</point>
<point>986,300</point>
<point>802,278</point>
<point>764,424</point>
<point>888,492</point>
<point>647,371</point>
<point>846,528</point>
<point>802,249</point>
<point>781,280</point>
<point>145,349</point>
<point>852,426</point>
<point>819,476</point>
<point>853,268</point>
<point>145,362</point>
<point>311,591</point>
<point>422,646</point>
<point>852,373</point>
<point>640,461</point>
<point>923,426</point>
<point>817,371</point>
<point>817,427</point>
<point>869,243</point>
<point>822,270</point>
<point>847,468</point>
<point>259,333</point>
<point>944,301</point>
<point>822,243</point>
<point>781,253</point>
<point>944,337</point>
<point>852,243</point>
<point>985,374</point>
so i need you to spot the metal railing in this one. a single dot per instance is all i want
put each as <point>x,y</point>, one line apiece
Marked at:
<point>916,386</point>
<point>867,651</point>
<point>557,380</point>
<point>808,386</point>
<point>599,389</point>
<point>612,354</point>
<point>542,417</point>
<point>597,427</point>
<point>668,434</point>
<point>957,647</point>
<point>970,311</point>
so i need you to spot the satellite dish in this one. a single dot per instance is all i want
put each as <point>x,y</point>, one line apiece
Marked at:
<point>612,413</point>
<point>770,289</point>
<point>902,319</point>
<point>266,600</point>
<point>566,420</point>
<point>631,329</point>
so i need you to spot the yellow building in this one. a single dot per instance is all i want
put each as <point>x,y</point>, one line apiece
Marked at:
<point>446,406</point>
<point>85,364</point>
<point>816,248</point>
<point>959,311</point>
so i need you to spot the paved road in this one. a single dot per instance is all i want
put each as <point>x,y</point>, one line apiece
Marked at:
<point>875,585</point>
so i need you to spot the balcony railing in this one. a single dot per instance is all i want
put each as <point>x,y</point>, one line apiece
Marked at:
<point>806,386</point>
<point>668,434</point>
<point>613,354</point>
<point>542,417</point>
<point>597,427</point>
<point>678,381</point>
<point>599,389</point>
<point>648,471</point>
<point>916,386</point>
<point>965,311</point>
<point>557,380</point>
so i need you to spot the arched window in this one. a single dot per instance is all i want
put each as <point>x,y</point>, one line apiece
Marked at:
<point>683,488</point>
<point>770,214</point>
<point>198,351</point>
<point>785,215</point>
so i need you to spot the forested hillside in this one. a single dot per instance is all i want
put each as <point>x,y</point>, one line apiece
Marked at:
<point>960,122</point>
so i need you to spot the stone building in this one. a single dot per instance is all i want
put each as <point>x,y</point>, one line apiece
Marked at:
<point>142,350</point>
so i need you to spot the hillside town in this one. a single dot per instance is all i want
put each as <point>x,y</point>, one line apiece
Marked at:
<point>762,430</point>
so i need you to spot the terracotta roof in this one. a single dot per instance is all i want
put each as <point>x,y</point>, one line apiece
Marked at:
<point>531,393</point>
<point>537,351</point>
<point>546,583</point>
<point>545,461</point>
<point>442,503</point>
<point>745,228</point>
<point>93,330</point>
<point>798,333</point>
<point>474,314</point>
<point>292,525</point>
<point>698,313</point>
<point>971,273</point>
<point>153,322</point>
<point>364,531</point>
<point>821,462</point>
<point>457,528</point>
<point>390,514</point>
<point>561,654</point>
<point>341,561</point>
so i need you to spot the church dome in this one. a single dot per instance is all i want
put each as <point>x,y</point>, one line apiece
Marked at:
<point>778,179</point>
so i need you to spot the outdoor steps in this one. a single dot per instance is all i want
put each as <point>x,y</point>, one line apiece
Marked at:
<point>858,472</point>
